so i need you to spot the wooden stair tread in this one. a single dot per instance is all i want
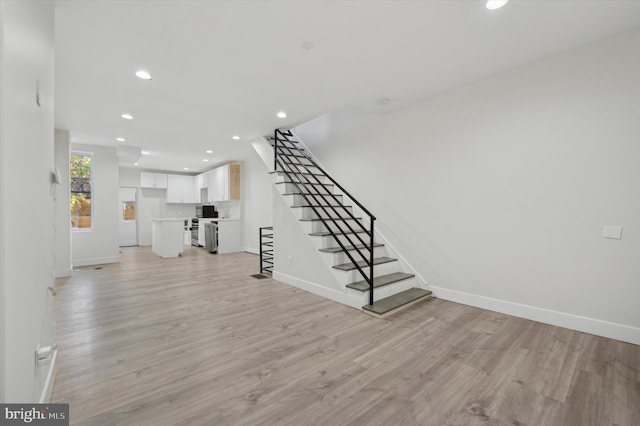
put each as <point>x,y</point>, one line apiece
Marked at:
<point>388,304</point>
<point>293,155</point>
<point>329,219</point>
<point>377,261</point>
<point>321,205</point>
<point>296,173</point>
<point>304,183</point>
<point>339,249</point>
<point>312,193</point>
<point>380,281</point>
<point>328,234</point>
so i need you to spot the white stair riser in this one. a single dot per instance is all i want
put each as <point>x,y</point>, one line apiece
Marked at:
<point>290,188</point>
<point>299,200</point>
<point>341,257</point>
<point>317,226</point>
<point>308,213</point>
<point>329,240</point>
<point>346,277</point>
<point>281,177</point>
<point>303,167</point>
<point>384,291</point>
<point>340,224</point>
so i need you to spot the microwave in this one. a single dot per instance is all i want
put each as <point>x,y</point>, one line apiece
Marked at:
<point>206,212</point>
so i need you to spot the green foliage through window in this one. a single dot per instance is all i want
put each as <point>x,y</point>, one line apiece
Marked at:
<point>81,193</point>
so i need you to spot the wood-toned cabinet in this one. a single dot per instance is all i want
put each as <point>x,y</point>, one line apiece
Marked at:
<point>153,180</point>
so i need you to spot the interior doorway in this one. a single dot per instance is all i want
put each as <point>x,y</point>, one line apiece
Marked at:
<point>128,228</point>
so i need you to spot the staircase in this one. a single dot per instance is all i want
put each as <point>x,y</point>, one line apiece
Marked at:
<point>343,231</point>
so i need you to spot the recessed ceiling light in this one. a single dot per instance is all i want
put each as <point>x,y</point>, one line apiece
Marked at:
<point>281,114</point>
<point>145,153</point>
<point>209,151</point>
<point>186,168</point>
<point>143,74</point>
<point>135,164</point>
<point>120,139</point>
<point>205,159</point>
<point>235,138</point>
<point>495,4</point>
<point>127,116</point>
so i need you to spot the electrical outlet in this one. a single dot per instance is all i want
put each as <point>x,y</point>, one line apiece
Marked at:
<point>290,260</point>
<point>611,231</point>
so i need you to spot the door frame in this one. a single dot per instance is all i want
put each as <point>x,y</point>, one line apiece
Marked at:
<point>120,218</point>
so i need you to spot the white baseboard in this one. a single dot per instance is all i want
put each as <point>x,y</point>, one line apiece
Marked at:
<point>608,329</point>
<point>63,273</point>
<point>45,396</point>
<point>336,296</point>
<point>95,261</point>
<point>251,250</point>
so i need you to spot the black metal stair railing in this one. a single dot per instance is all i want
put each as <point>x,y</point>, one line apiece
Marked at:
<point>266,249</point>
<point>289,159</point>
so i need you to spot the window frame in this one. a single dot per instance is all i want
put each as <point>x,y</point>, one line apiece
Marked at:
<point>135,212</point>
<point>92,156</point>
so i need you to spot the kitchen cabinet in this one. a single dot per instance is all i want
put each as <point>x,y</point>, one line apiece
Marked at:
<point>153,180</point>
<point>229,236</point>
<point>181,189</point>
<point>201,183</point>
<point>224,183</point>
<point>168,237</point>
<point>216,184</point>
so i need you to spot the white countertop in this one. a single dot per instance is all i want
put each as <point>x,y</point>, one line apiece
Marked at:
<point>168,219</point>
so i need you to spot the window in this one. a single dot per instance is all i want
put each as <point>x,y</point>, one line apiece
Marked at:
<point>128,211</point>
<point>81,169</point>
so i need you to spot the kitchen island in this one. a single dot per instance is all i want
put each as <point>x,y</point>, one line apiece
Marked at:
<point>168,237</point>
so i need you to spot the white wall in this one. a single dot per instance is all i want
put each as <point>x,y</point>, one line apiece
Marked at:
<point>296,259</point>
<point>100,244</point>
<point>26,196</point>
<point>257,204</point>
<point>497,192</point>
<point>62,226</point>
<point>129,177</point>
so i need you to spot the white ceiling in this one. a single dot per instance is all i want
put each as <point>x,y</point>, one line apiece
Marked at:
<point>223,68</point>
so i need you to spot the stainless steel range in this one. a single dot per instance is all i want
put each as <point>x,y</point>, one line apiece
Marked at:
<point>195,226</point>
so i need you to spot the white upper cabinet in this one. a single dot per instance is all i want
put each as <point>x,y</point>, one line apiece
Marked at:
<point>224,183</point>
<point>181,189</point>
<point>201,181</point>
<point>216,185</point>
<point>153,180</point>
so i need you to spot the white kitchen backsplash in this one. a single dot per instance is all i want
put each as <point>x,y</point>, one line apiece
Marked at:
<point>180,210</point>
<point>228,209</point>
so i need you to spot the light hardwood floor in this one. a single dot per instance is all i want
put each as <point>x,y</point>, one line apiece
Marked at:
<point>197,341</point>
